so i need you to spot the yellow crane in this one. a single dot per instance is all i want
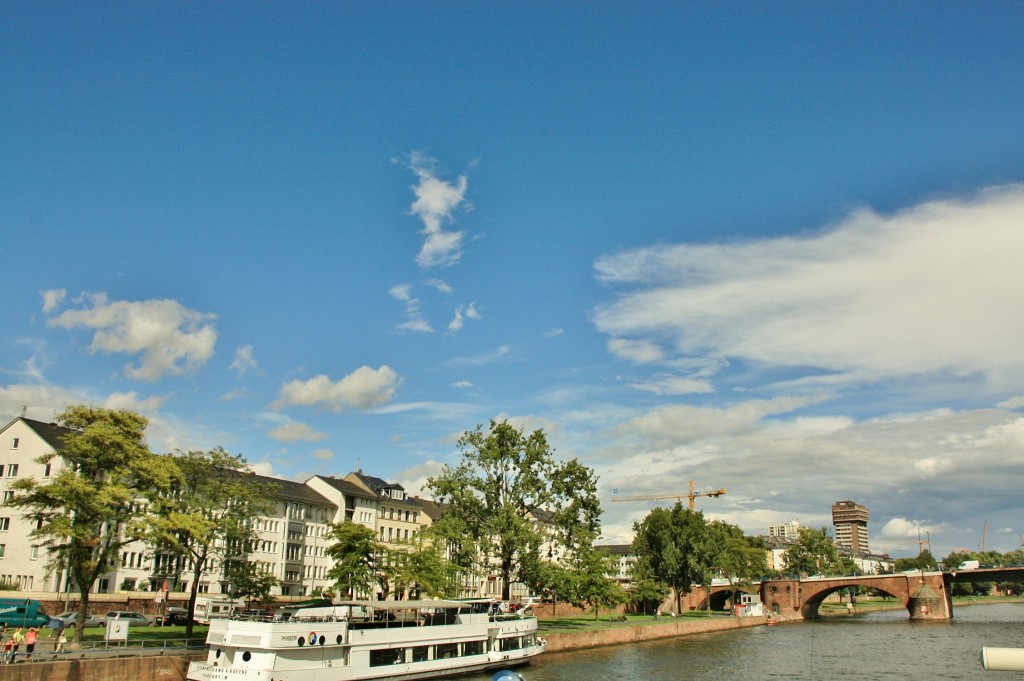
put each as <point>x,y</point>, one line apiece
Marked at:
<point>692,496</point>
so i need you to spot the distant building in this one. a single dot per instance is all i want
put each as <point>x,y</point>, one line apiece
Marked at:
<point>851,523</point>
<point>790,530</point>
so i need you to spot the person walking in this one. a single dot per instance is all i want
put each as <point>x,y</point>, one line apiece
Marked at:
<point>58,646</point>
<point>17,637</point>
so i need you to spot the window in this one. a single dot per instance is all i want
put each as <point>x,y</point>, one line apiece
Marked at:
<point>14,444</point>
<point>46,471</point>
<point>3,550</point>
<point>12,470</point>
<point>5,524</point>
<point>34,554</point>
<point>8,495</point>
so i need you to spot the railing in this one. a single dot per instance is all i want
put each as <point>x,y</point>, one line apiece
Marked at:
<point>46,651</point>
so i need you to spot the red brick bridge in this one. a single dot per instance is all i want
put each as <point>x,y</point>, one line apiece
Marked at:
<point>925,595</point>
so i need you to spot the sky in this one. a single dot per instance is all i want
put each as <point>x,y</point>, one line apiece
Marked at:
<point>772,248</point>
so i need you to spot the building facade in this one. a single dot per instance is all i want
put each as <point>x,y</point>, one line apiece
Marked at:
<point>851,524</point>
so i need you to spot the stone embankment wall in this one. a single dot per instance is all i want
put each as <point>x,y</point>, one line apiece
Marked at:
<point>558,642</point>
<point>155,668</point>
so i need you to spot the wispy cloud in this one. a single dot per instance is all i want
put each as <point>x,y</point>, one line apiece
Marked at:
<point>296,432</point>
<point>502,352</point>
<point>244,360</point>
<point>170,338</point>
<point>435,204</point>
<point>414,321</point>
<point>926,290</point>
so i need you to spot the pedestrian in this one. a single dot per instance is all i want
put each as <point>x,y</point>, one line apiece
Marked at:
<point>8,649</point>
<point>31,636</point>
<point>61,639</point>
<point>17,637</point>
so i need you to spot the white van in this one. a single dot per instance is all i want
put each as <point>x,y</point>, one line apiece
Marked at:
<point>970,565</point>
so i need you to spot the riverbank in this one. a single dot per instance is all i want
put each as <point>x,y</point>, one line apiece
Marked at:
<point>638,631</point>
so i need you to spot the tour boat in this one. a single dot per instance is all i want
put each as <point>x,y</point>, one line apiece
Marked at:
<point>357,640</point>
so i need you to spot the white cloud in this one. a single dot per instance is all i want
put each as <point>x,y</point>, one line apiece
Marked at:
<point>436,201</point>
<point>414,320</point>
<point>244,360</point>
<point>440,285</point>
<point>926,290</point>
<point>323,454</point>
<point>296,432</point>
<point>462,384</point>
<point>1012,403</point>
<point>498,354</point>
<point>667,384</point>
<point>363,389</point>
<point>132,402</point>
<point>170,338</point>
<point>52,299</point>
<point>636,351</point>
<point>462,312</point>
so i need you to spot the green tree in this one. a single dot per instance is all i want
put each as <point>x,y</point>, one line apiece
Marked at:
<point>356,554</point>
<point>420,569</point>
<point>208,516</point>
<point>666,546</point>
<point>744,560</point>
<point>249,581</point>
<point>507,497</point>
<point>100,500</point>
<point>590,581</point>
<point>646,593</point>
<point>814,553</point>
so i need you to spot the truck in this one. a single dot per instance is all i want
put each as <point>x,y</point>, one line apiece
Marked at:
<point>22,612</point>
<point>970,565</point>
<point>214,607</point>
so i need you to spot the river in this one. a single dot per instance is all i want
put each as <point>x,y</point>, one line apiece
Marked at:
<point>880,645</point>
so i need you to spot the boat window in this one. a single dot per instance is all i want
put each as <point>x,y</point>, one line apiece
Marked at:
<point>473,648</point>
<point>446,651</point>
<point>421,653</point>
<point>246,656</point>
<point>385,656</point>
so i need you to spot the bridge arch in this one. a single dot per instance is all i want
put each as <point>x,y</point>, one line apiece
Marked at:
<point>925,595</point>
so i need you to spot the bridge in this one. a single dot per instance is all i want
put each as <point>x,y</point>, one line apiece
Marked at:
<point>925,595</point>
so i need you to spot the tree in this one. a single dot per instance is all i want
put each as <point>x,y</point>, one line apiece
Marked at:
<point>814,553</point>
<point>508,496</point>
<point>420,569</point>
<point>666,546</point>
<point>356,556</point>
<point>249,581</point>
<point>589,582</point>
<point>100,500</point>
<point>208,516</point>
<point>744,561</point>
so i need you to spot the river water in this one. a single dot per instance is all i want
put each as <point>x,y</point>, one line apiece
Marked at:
<point>881,645</point>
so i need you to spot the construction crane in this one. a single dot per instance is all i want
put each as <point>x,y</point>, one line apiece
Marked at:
<point>692,496</point>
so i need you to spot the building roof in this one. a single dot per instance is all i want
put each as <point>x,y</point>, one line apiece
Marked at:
<point>294,491</point>
<point>377,484</point>
<point>346,487</point>
<point>50,432</point>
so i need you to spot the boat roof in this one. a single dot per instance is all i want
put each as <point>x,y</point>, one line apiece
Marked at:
<point>402,605</point>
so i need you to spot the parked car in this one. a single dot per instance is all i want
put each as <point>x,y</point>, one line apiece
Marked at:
<point>70,620</point>
<point>130,617</point>
<point>174,617</point>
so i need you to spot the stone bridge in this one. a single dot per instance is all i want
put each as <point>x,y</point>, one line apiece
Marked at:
<point>925,595</point>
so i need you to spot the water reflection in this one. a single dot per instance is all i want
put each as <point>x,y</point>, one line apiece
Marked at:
<point>883,645</point>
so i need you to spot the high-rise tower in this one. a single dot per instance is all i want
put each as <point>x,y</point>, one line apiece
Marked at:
<point>851,521</point>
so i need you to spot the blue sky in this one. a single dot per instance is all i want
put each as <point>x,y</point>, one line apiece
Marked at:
<point>772,248</point>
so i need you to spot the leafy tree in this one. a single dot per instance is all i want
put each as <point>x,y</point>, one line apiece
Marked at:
<point>744,560</point>
<point>508,496</point>
<point>589,581</point>
<point>420,568</point>
<point>666,546</point>
<point>645,593</point>
<point>814,553</point>
<point>208,516</point>
<point>356,554</point>
<point>923,561</point>
<point>249,581</point>
<point>100,501</point>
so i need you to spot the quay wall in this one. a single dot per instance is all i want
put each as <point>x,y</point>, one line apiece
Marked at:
<point>575,640</point>
<point>150,668</point>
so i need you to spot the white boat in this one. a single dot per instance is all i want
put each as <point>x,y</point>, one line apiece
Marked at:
<point>357,640</point>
